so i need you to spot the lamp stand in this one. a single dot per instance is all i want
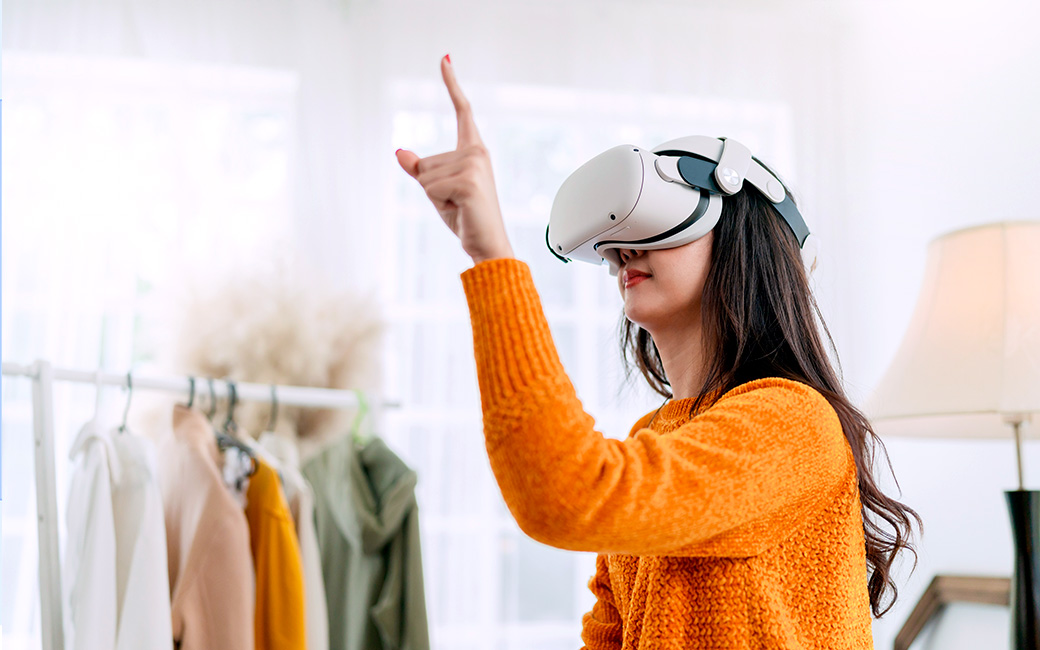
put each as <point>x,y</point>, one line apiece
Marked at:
<point>1024,507</point>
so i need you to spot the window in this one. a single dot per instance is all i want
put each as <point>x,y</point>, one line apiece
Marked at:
<point>117,174</point>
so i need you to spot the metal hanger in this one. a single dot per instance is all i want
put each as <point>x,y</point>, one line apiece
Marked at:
<point>272,415</point>
<point>97,396</point>
<point>226,437</point>
<point>191,392</point>
<point>212,400</point>
<point>229,421</point>
<point>92,427</point>
<point>129,394</point>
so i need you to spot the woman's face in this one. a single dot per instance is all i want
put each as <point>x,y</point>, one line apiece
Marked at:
<point>662,288</point>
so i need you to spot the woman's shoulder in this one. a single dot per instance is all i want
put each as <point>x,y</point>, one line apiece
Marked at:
<point>778,393</point>
<point>799,406</point>
<point>769,398</point>
<point>779,389</point>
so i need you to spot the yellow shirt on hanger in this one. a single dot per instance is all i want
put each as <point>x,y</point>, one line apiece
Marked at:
<point>279,622</point>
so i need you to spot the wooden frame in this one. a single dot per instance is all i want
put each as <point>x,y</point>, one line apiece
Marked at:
<point>951,589</point>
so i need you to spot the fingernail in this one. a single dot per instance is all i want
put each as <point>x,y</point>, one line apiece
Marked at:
<point>447,57</point>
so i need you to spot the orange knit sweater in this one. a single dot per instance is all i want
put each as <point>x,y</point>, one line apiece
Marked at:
<point>737,528</point>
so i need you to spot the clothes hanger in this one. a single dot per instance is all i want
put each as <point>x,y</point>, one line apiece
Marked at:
<point>129,394</point>
<point>272,459</point>
<point>92,429</point>
<point>97,396</point>
<point>272,415</point>
<point>191,392</point>
<point>92,426</point>
<point>212,400</point>
<point>229,421</point>
<point>360,439</point>
<point>226,437</point>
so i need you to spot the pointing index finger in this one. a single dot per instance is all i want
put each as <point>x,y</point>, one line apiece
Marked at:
<point>468,134</point>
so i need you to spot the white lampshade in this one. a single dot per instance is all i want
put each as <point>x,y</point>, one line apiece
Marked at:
<point>970,358</point>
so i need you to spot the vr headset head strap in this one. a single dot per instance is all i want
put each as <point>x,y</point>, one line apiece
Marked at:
<point>721,166</point>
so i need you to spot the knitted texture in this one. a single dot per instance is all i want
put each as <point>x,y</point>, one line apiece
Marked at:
<point>735,527</point>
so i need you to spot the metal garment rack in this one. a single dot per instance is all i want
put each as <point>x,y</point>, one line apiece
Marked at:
<point>43,376</point>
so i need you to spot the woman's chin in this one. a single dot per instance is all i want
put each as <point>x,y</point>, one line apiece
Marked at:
<point>642,317</point>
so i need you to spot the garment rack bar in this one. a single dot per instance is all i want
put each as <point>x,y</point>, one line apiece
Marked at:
<point>302,396</point>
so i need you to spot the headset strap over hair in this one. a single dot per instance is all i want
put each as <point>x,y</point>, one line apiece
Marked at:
<point>793,217</point>
<point>733,167</point>
<point>720,166</point>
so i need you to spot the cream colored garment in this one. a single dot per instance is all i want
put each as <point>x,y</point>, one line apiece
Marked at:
<point>210,564</point>
<point>301,503</point>
<point>117,593</point>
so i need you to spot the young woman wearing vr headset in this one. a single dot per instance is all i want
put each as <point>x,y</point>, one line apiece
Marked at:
<point>741,514</point>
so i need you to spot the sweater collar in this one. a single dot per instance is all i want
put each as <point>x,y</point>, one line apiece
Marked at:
<point>679,410</point>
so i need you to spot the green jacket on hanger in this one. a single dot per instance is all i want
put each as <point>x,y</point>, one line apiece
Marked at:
<point>368,532</point>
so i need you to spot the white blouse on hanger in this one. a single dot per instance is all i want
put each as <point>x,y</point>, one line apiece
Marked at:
<point>116,583</point>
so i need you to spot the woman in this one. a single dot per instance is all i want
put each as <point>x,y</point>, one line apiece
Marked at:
<point>742,513</point>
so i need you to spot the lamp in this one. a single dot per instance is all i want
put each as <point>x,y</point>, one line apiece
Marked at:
<point>969,367</point>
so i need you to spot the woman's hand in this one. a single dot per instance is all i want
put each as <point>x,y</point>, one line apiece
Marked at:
<point>460,183</point>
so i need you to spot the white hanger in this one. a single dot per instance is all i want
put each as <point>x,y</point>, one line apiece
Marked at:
<point>92,429</point>
<point>97,396</point>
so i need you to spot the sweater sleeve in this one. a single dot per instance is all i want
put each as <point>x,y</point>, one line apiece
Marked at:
<point>601,629</point>
<point>733,481</point>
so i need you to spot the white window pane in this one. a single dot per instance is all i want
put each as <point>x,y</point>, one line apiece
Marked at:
<point>533,580</point>
<point>464,564</point>
<point>556,286</point>
<point>468,486</point>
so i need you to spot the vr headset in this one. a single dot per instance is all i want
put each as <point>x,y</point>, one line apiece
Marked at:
<point>633,198</point>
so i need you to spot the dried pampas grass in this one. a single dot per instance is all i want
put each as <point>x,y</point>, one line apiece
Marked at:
<point>284,325</point>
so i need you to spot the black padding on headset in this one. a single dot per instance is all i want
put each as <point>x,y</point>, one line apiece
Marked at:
<point>793,218</point>
<point>698,212</point>
<point>701,174</point>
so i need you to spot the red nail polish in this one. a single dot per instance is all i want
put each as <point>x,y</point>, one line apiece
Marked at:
<point>447,57</point>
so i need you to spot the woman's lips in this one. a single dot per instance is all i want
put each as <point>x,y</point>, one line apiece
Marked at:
<point>633,278</point>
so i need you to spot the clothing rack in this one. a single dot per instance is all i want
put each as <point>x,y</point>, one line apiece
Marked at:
<point>43,376</point>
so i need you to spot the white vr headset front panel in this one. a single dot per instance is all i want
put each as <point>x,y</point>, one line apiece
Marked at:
<point>629,197</point>
<point>618,200</point>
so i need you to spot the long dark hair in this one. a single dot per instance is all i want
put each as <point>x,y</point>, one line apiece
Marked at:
<point>760,317</point>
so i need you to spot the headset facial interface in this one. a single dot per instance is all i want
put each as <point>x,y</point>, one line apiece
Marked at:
<point>633,198</point>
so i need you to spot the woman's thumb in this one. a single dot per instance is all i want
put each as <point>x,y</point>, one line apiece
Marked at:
<point>408,161</point>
